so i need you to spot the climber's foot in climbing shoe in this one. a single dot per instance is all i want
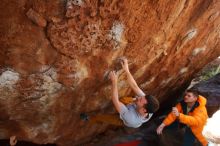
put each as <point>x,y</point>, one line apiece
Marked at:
<point>84,117</point>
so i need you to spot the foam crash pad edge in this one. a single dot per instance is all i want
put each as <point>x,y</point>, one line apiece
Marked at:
<point>130,143</point>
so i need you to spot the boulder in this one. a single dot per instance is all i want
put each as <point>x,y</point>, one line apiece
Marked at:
<point>51,74</point>
<point>211,90</point>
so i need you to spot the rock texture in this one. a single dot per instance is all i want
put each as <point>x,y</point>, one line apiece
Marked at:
<point>211,90</point>
<point>55,53</point>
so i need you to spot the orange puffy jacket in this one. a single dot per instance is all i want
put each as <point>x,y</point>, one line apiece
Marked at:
<point>195,119</point>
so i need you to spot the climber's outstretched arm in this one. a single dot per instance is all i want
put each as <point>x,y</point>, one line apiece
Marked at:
<point>118,105</point>
<point>130,79</point>
<point>13,140</point>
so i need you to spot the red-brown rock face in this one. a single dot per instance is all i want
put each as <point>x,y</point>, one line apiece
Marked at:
<point>54,55</point>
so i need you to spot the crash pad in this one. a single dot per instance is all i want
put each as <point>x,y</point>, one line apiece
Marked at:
<point>130,143</point>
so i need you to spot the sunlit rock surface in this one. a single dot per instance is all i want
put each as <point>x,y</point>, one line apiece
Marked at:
<point>54,55</point>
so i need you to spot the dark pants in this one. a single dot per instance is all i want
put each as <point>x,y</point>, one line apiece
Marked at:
<point>188,137</point>
<point>175,136</point>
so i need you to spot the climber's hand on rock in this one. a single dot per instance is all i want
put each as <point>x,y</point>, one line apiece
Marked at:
<point>124,64</point>
<point>175,111</point>
<point>13,140</point>
<point>113,76</point>
<point>160,128</point>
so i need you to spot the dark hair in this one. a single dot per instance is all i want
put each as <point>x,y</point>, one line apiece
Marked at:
<point>193,91</point>
<point>152,104</point>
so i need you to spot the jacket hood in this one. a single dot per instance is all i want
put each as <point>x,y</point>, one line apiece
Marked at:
<point>202,100</point>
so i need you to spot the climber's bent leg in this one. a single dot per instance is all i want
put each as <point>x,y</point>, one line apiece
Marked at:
<point>112,119</point>
<point>126,100</point>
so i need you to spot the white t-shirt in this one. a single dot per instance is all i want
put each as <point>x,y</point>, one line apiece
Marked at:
<point>131,117</point>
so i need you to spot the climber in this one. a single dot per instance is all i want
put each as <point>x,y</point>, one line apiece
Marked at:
<point>133,111</point>
<point>189,117</point>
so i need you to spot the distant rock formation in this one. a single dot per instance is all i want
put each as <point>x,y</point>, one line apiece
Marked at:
<point>211,90</point>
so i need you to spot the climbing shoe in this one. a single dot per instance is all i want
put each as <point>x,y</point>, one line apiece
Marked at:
<point>84,117</point>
